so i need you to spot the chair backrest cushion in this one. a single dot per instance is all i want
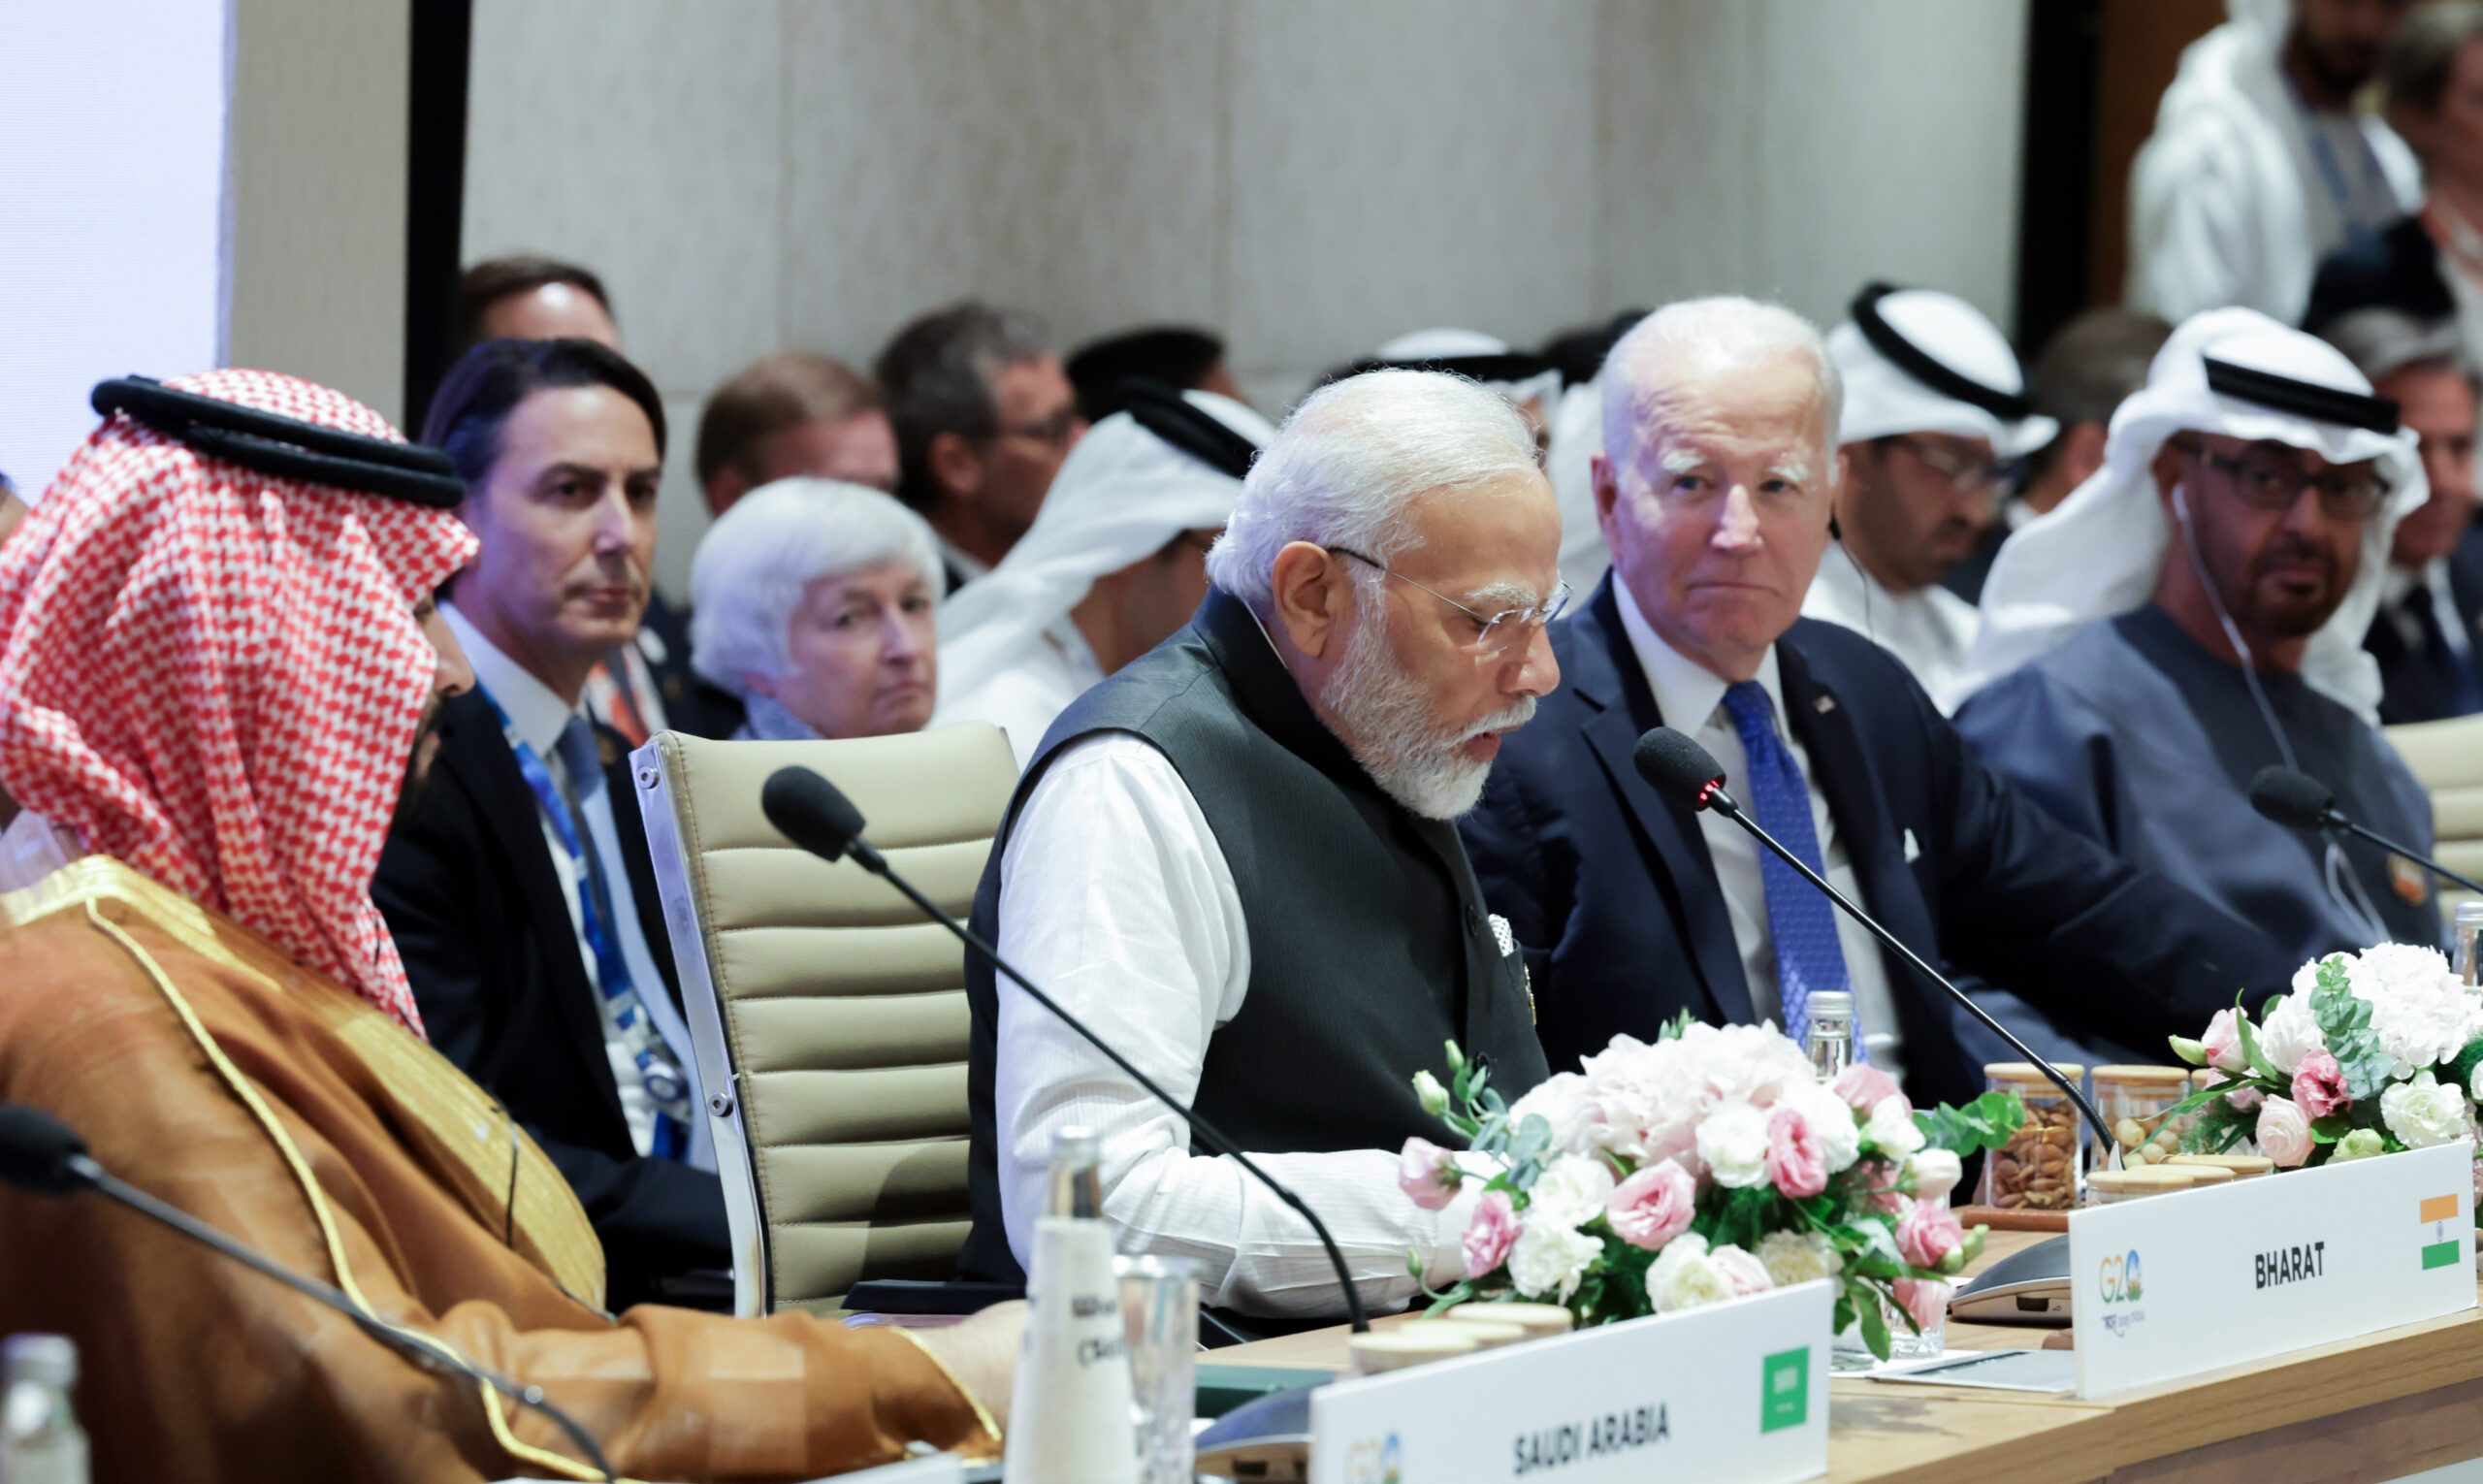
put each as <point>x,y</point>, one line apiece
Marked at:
<point>829,1014</point>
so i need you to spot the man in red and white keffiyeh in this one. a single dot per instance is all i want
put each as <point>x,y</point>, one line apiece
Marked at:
<point>218,676</point>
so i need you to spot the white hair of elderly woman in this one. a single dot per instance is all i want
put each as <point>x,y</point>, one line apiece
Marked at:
<point>755,561</point>
<point>1678,346</point>
<point>1351,457</point>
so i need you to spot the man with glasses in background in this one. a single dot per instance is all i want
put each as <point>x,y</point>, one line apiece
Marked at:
<point>1720,468</point>
<point>2195,613</point>
<point>985,417</point>
<point>1235,859</point>
<point>1935,410</point>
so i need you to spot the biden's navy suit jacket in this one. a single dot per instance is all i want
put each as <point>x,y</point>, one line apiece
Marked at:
<point>1613,899</point>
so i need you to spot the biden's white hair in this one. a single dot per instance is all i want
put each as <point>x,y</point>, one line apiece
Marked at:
<point>748,576</point>
<point>1672,351</point>
<point>1351,457</point>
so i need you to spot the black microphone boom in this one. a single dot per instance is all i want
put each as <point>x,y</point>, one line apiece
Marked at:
<point>2296,800</point>
<point>815,814</point>
<point>40,1155</point>
<point>1680,770</point>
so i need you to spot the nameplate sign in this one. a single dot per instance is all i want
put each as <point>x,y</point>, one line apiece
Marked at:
<point>1736,1390</point>
<point>2175,1285</point>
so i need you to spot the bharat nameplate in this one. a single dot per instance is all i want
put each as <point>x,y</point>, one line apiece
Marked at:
<point>2176,1286</point>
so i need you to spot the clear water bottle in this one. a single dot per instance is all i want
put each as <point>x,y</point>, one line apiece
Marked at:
<point>2469,924</point>
<point>39,1440</point>
<point>1831,1036</point>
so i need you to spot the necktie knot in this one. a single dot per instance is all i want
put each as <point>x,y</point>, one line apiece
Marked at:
<point>1753,715</point>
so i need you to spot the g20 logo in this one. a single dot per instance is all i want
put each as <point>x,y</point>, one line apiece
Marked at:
<point>2118,1278</point>
<point>1374,1462</point>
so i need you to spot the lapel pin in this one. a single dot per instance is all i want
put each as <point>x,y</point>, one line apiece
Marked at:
<point>1824,704</point>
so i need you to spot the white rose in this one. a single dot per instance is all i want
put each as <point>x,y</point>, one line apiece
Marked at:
<point>1732,1141</point>
<point>2290,1032</point>
<point>1550,1258</point>
<point>1831,1123</point>
<point>1892,1127</point>
<point>2474,1083</point>
<point>1685,1276</point>
<point>1562,1101</point>
<point>1571,1192</point>
<point>2424,1111</point>
<point>1936,1173</point>
<point>2419,1011</point>
<point>1798,1257</point>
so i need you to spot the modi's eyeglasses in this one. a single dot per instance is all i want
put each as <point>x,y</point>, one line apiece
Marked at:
<point>1492,631</point>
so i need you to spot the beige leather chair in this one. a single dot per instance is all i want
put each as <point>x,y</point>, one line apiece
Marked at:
<point>2447,759</point>
<point>830,1019</point>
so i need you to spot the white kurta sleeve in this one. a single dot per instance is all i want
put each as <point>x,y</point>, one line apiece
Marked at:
<point>1115,898</point>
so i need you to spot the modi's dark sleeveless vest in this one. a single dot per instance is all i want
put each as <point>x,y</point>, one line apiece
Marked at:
<point>1369,945</point>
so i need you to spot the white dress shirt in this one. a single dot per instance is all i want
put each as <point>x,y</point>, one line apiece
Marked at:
<point>537,715</point>
<point>1115,898</point>
<point>1691,700</point>
<point>1931,630</point>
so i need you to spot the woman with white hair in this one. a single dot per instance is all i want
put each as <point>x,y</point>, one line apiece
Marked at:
<point>815,602</point>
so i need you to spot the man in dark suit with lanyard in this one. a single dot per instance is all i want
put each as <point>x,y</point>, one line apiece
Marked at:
<point>1714,493</point>
<point>518,890</point>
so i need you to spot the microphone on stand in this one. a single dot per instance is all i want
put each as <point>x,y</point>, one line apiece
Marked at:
<point>44,1156</point>
<point>2296,800</point>
<point>1680,770</point>
<point>815,814</point>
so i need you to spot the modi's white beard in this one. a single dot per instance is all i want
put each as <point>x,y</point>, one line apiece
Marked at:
<point>1387,721</point>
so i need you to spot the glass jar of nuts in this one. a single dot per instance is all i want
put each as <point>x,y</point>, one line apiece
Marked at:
<point>2134,1102</point>
<point>2038,1168</point>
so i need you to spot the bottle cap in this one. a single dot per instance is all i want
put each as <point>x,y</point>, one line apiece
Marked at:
<point>47,1359</point>
<point>2470,914</point>
<point>1832,1003</point>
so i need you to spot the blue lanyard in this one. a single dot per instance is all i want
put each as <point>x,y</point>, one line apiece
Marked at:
<point>662,1080</point>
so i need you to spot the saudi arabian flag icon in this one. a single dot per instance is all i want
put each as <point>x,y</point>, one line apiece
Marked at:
<point>2439,1245</point>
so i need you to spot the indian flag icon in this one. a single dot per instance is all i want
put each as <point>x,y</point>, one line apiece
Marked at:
<point>2440,1251</point>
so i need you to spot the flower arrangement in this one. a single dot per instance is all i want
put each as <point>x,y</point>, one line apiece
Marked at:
<point>2368,1054</point>
<point>1708,1165</point>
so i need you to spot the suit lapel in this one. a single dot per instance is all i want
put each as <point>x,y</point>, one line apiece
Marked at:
<point>474,756</point>
<point>1609,679</point>
<point>1842,770</point>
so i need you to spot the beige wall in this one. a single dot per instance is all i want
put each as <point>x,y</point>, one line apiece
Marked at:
<point>315,212</point>
<point>1312,177</point>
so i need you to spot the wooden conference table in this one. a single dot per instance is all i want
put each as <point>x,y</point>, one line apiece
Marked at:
<point>2377,1407</point>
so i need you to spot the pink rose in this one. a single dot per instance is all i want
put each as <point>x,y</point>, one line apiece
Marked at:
<point>1795,1164</point>
<point>1652,1207</point>
<point>1743,1271</point>
<point>2319,1084</point>
<point>1926,1300</point>
<point>2284,1134</point>
<point>1428,1174</point>
<point>1926,1234</point>
<point>1490,1233</point>
<point>2223,1044</point>
<point>1864,1086</point>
